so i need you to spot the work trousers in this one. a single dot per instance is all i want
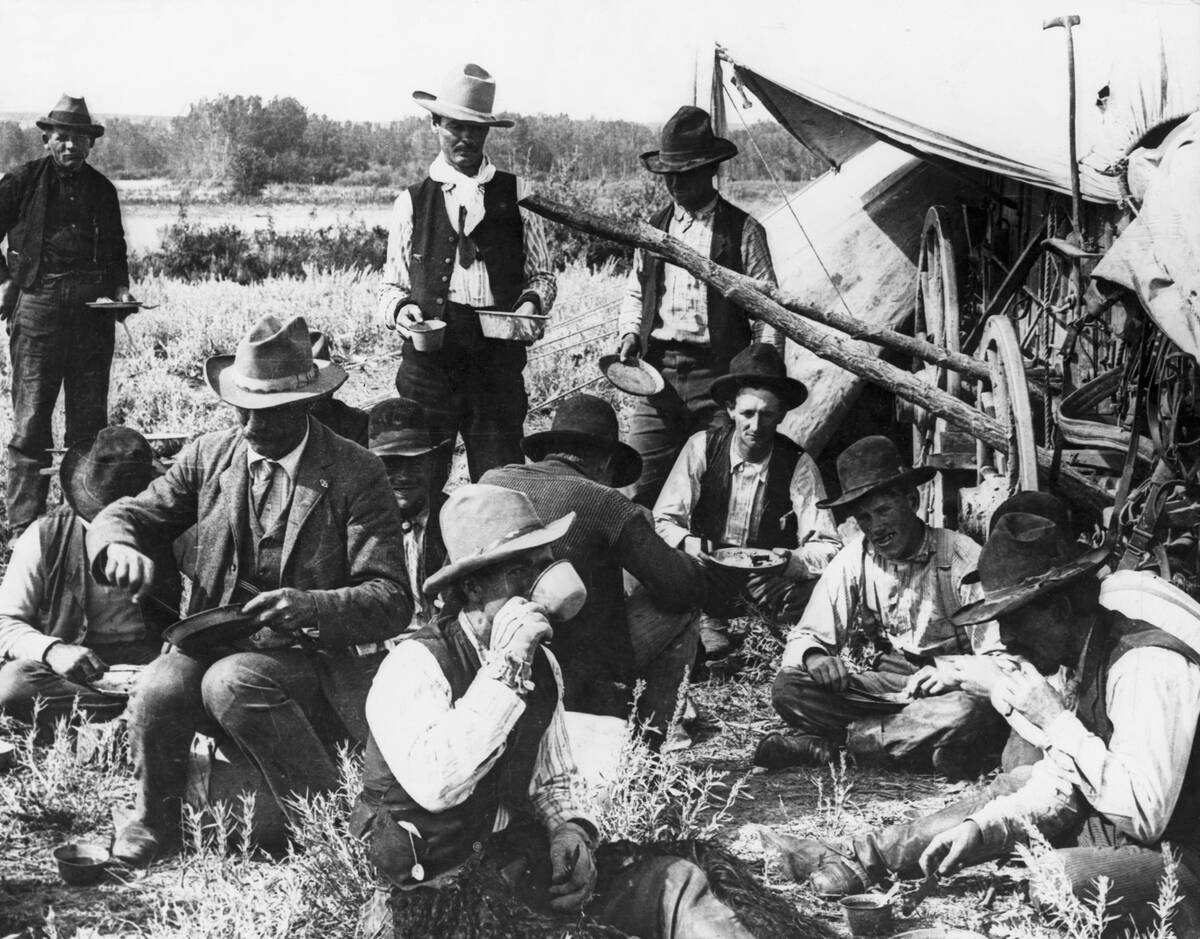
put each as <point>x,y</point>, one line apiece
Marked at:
<point>661,424</point>
<point>474,387</point>
<point>23,681</point>
<point>268,702</point>
<point>664,648</point>
<point>955,733</point>
<point>54,341</point>
<point>1090,849</point>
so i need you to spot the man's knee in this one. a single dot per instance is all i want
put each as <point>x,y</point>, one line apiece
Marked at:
<point>236,681</point>
<point>795,692</point>
<point>170,684</point>
<point>20,682</point>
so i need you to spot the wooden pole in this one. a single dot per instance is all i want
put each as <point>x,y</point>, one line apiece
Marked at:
<point>836,348</point>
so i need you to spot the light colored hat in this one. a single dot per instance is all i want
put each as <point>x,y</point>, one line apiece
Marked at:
<point>273,365</point>
<point>467,95</point>
<point>483,525</point>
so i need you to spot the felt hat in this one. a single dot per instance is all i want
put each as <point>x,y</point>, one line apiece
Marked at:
<point>322,345</point>
<point>1026,557</point>
<point>71,114</point>
<point>117,462</point>
<point>871,464</point>
<point>1027,502</point>
<point>483,525</point>
<point>398,427</point>
<point>586,419</point>
<point>467,95</point>
<point>687,143</point>
<point>761,365</point>
<point>273,365</point>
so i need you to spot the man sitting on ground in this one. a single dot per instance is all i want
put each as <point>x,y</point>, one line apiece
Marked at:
<point>742,483</point>
<point>613,640</point>
<point>898,585</point>
<point>1118,780</point>
<point>60,628</point>
<point>296,524</point>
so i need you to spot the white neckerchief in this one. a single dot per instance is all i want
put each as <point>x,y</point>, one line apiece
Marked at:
<point>462,191</point>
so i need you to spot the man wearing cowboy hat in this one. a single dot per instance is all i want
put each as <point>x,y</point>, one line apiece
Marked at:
<point>298,528</point>
<point>683,328</point>
<point>459,243</point>
<point>615,639</point>
<point>66,248</point>
<point>60,628</point>
<point>468,770</point>
<point>1118,779</point>
<point>399,436</point>
<point>897,585</point>
<point>744,484</point>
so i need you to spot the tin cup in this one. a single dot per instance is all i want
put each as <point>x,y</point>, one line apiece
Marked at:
<point>868,914</point>
<point>428,335</point>
<point>559,591</point>
<point>81,863</point>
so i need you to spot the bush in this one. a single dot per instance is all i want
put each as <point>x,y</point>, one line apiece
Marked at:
<point>629,200</point>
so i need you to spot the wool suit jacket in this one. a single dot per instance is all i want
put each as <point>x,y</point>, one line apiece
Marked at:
<point>342,544</point>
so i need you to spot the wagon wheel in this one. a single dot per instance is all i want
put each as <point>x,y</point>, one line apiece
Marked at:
<point>937,319</point>
<point>1006,397</point>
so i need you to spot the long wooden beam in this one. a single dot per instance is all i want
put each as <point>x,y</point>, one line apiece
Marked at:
<point>839,349</point>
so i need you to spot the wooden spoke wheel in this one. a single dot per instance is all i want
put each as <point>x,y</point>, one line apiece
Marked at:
<point>1006,397</point>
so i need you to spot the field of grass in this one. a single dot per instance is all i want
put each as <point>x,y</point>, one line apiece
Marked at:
<point>58,791</point>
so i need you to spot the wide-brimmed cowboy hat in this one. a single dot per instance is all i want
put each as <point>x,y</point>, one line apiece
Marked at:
<point>760,365</point>
<point>467,95</point>
<point>483,525</point>
<point>1029,502</point>
<point>94,473</point>
<point>871,464</point>
<point>586,419</point>
<point>398,427</point>
<point>273,365</point>
<point>71,114</point>
<point>688,143</point>
<point>1025,558</point>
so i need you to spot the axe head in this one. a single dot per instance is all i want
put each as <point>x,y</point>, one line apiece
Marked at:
<point>1064,21</point>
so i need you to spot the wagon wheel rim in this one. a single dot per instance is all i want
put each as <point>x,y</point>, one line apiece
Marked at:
<point>1006,397</point>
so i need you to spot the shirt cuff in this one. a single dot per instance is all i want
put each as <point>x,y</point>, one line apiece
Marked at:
<point>1066,734</point>
<point>32,645</point>
<point>797,648</point>
<point>994,828</point>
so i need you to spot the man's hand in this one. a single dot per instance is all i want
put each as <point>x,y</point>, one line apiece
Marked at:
<point>769,589</point>
<point>930,680</point>
<point>1030,695</point>
<point>573,871</point>
<point>123,295</point>
<point>529,308</point>
<point>406,316</point>
<point>287,610</point>
<point>127,567</point>
<point>828,671</point>
<point>75,663</point>
<point>630,347</point>
<point>948,852</point>
<point>9,291</point>
<point>519,627</point>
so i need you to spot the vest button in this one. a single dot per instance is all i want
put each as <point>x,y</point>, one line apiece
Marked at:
<point>444,278</point>
<point>449,260</point>
<point>440,301</point>
<point>450,238</point>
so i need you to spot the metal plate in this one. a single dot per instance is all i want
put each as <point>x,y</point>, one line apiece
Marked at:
<point>750,560</point>
<point>219,626</point>
<point>633,376</point>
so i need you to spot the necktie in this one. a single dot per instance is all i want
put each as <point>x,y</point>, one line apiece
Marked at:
<point>269,493</point>
<point>466,247</point>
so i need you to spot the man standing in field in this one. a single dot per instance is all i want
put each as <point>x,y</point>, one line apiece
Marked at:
<point>66,248</point>
<point>685,329</point>
<point>458,243</point>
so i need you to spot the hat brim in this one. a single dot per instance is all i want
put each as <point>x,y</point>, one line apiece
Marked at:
<point>329,378</point>
<point>909,478</point>
<point>92,130</point>
<point>396,449</point>
<point>431,103</point>
<point>1022,594</point>
<point>724,389</point>
<point>722,150</point>
<point>456,570</point>
<point>628,461</point>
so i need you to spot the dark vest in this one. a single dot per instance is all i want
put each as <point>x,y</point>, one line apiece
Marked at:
<point>499,238</point>
<point>777,528</point>
<point>262,553</point>
<point>1123,636</point>
<point>449,837</point>
<point>63,560</point>
<point>728,327</point>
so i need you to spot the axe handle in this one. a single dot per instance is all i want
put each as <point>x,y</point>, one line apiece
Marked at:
<point>1067,22</point>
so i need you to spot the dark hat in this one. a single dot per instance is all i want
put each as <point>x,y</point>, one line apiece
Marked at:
<point>273,365</point>
<point>483,525</point>
<point>322,345</point>
<point>589,420</point>
<point>398,427</point>
<point>687,143</point>
<point>1027,503</point>
<point>871,464</point>
<point>761,365</point>
<point>1026,557</point>
<point>71,114</point>
<point>117,462</point>
<point>467,95</point>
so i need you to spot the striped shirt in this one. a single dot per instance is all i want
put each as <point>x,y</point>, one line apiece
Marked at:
<point>684,306</point>
<point>439,749</point>
<point>903,599</point>
<point>468,286</point>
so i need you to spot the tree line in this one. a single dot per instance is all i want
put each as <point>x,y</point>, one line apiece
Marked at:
<point>245,143</point>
